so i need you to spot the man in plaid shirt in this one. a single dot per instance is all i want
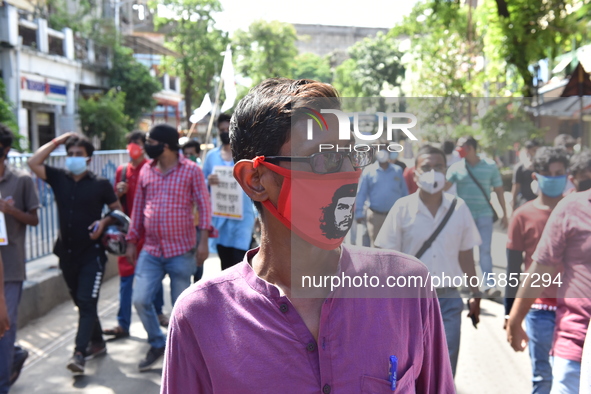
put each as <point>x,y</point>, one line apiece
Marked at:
<point>167,190</point>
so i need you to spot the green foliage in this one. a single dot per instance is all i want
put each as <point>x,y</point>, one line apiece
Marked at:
<point>8,119</point>
<point>522,32</point>
<point>440,56</point>
<point>59,16</point>
<point>311,66</point>
<point>506,123</point>
<point>266,50</point>
<point>193,36</point>
<point>373,63</point>
<point>133,78</point>
<point>450,43</point>
<point>104,116</point>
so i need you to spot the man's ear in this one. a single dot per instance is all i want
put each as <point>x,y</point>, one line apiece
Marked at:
<point>249,179</point>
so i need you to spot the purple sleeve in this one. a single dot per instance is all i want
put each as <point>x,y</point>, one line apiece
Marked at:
<point>435,375</point>
<point>185,370</point>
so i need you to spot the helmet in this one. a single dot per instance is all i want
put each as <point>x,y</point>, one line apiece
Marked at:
<point>113,238</point>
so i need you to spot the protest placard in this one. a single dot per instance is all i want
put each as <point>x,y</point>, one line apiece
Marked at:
<point>226,196</point>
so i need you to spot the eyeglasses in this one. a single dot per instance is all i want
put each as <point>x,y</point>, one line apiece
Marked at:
<point>328,162</point>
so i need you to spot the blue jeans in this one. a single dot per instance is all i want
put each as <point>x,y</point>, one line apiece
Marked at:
<point>485,228</point>
<point>539,326</point>
<point>12,295</point>
<point>149,272</point>
<point>451,312</point>
<point>125,292</point>
<point>565,376</point>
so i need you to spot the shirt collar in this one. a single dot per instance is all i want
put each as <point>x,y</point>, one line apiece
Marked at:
<point>418,205</point>
<point>7,173</point>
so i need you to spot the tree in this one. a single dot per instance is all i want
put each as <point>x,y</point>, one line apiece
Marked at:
<point>133,78</point>
<point>104,116</point>
<point>192,34</point>
<point>373,63</point>
<point>311,66</point>
<point>441,58</point>
<point>522,32</point>
<point>266,50</point>
<point>8,118</point>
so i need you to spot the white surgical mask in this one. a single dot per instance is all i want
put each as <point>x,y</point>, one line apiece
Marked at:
<point>432,181</point>
<point>382,156</point>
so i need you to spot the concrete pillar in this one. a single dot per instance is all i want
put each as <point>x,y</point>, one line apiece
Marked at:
<point>166,78</point>
<point>42,39</point>
<point>9,25</point>
<point>68,43</point>
<point>34,130</point>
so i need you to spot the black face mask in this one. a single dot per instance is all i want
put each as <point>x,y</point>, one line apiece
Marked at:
<point>154,151</point>
<point>584,185</point>
<point>225,138</point>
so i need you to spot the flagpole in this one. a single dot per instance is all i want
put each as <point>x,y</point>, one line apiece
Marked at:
<point>211,118</point>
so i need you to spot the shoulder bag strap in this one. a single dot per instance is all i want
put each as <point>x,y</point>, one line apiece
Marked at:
<point>433,236</point>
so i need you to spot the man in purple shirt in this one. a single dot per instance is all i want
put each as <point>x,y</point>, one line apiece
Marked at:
<point>260,326</point>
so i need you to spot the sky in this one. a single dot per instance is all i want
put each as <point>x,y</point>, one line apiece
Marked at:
<point>239,14</point>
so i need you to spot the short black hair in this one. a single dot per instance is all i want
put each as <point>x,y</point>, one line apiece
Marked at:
<point>547,155</point>
<point>580,162</point>
<point>448,147</point>
<point>262,120</point>
<point>136,135</point>
<point>192,144</point>
<point>532,144</point>
<point>80,140</point>
<point>430,150</point>
<point>223,118</point>
<point>6,136</point>
<point>471,141</point>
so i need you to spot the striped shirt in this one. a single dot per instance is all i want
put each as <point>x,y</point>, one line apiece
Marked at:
<point>488,176</point>
<point>163,208</point>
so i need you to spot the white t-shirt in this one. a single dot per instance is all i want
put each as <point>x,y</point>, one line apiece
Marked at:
<point>410,223</point>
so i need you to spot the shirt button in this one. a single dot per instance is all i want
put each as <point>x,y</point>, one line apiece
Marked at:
<point>283,308</point>
<point>311,347</point>
<point>326,389</point>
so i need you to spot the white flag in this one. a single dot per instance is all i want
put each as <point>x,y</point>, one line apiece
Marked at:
<point>203,110</point>
<point>227,75</point>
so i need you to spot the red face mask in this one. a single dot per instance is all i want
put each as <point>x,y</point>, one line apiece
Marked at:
<point>318,208</point>
<point>135,151</point>
<point>461,151</point>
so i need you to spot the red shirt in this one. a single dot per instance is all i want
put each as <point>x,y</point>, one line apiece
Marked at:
<point>409,177</point>
<point>131,176</point>
<point>566,244</point>
<point>525,230</point>
<point>163,208</point>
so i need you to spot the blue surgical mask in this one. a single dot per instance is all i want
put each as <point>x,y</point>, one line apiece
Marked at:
<point>76,165</point>
<point>393,155</point>
<point>551,186</point>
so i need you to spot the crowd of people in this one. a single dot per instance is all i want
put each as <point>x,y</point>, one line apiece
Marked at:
<point>422,220</point>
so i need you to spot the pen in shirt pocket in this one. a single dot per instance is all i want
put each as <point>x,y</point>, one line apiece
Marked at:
<point>393,362</point>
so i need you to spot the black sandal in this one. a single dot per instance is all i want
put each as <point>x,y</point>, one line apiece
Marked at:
<point>117,332</point>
